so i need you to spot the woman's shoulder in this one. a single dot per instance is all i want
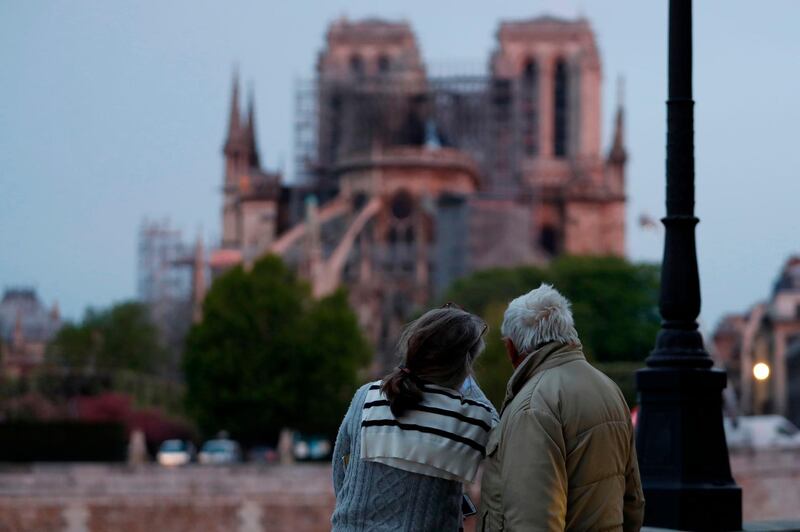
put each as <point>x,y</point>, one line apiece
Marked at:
<point>361,393</point>
<point>472,391</point>
<point>357,403</point>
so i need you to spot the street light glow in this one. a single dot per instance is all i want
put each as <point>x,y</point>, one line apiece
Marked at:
<point>761,371</point>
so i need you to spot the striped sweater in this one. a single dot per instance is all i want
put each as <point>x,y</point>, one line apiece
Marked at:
<point>373,496</point>
<point>443,436</point>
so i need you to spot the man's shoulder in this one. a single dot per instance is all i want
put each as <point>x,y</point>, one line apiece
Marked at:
<point>575,377</point>
<point>573,389</point>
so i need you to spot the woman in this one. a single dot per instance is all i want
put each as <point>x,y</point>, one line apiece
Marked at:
<point>409,441</point>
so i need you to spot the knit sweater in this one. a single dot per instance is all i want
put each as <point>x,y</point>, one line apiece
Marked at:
<point>371,496</point>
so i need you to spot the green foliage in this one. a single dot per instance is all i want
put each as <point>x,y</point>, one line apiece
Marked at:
<point>149,391</point>
<point>496,285</point>
<point>268,356</point>
<point>493,368</point>
<point>614,302</point>
<point>121,337</point>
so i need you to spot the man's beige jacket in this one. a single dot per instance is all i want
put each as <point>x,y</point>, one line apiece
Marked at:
<point>563,455</point>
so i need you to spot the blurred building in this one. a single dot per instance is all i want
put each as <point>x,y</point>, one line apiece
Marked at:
<point>407,179</point>
<point>26,326</point>
<point>768,336</point>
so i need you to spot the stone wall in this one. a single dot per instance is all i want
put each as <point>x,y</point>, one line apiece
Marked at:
<point>92,498</point>
<point>249,498</point>
<point>770,481</point>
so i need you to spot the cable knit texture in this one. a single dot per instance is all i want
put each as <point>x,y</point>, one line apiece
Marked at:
<point>371,496</point>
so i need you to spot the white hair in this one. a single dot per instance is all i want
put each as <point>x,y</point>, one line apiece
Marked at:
<point>540,316</point>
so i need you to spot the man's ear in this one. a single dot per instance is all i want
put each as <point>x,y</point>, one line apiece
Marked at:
<point>511,350</point>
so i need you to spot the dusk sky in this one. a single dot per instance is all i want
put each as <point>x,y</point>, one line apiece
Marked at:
<point>115,111</point>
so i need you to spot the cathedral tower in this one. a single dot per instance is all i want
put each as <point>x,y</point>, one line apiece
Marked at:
<point>545,108</point>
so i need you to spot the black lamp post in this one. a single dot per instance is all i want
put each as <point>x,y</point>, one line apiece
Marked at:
<point>680,439</point>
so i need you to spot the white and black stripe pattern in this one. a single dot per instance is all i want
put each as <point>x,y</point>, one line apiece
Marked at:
<point>444,436</point>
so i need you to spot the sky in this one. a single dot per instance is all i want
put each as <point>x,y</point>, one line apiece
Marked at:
<point>111,112</point>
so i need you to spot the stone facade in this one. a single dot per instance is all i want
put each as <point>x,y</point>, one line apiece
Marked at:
<point>768,333</point>
<point>26,326</point>
<point>408,180</point>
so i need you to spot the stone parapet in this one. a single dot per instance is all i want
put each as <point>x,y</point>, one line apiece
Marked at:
<point>411,157</point>
<point>297,498</point>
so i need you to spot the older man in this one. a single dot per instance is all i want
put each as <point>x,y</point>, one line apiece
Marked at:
<point>562,457</point>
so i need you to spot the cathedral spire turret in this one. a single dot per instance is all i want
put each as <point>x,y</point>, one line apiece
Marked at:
<point>250,129</point>
<point>618,154</point>
<point>234,118</point>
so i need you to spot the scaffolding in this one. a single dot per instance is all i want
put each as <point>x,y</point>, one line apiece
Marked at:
<point>491,119</point>
<point>305,132</point>
<point>162,255</point>
<point>165,285</point>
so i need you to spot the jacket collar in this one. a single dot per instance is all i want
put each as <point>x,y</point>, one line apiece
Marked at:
<point>548,356</point>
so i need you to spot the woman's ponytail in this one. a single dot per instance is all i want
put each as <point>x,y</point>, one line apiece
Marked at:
<point>402,390</point>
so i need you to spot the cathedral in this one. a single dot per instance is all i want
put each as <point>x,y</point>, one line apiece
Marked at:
<point>406,180</point>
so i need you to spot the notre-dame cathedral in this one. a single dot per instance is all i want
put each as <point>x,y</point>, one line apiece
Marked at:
<point>406,180</point>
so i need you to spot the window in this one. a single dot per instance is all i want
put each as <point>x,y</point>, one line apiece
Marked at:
<point>335,126</point>
<point>560,110</point>
<point>529,100</point>
<point>547,239</point>
<point>359,201</point>
<point>357,65</point>
<point>383,64</point>
<point>402,204</point>
<point>409,235</point>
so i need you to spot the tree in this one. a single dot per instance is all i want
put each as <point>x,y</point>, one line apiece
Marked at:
<point>479,290</point>
<point>268,356</point>
<point>121,337</point>
<point>614,303</point>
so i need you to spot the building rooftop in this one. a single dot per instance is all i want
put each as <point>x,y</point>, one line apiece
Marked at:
<point>789,279</point>
<point>369,30</point>
<point>22,307</point>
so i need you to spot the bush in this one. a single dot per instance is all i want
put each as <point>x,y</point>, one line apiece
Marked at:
<point>62,441</point>
<point>118,408</point>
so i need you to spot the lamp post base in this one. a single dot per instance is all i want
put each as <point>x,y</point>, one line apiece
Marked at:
<point>683,456</point>
<point>693,507</point>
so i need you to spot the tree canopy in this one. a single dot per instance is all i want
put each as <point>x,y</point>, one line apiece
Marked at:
<point>267,355</point>
<point>614,303</point>
<point>121,337</point>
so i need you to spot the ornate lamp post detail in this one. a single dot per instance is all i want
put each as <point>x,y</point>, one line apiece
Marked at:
<point>680,439</point>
